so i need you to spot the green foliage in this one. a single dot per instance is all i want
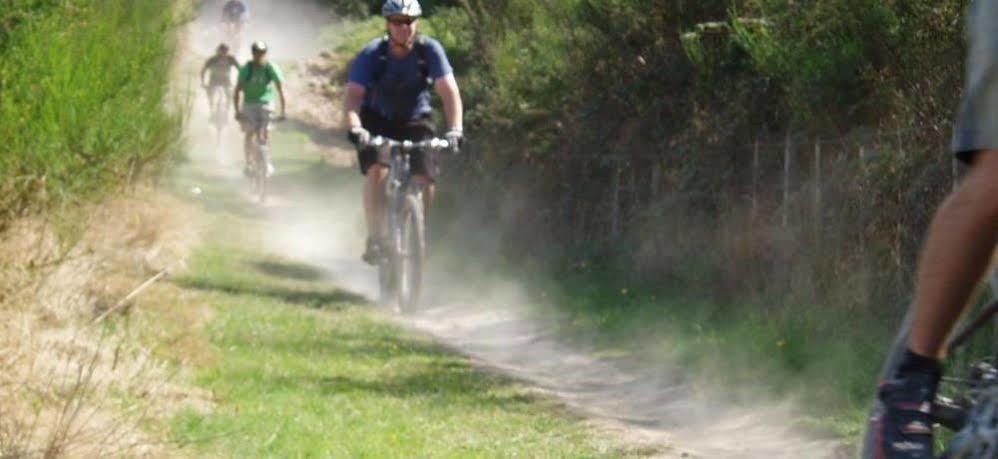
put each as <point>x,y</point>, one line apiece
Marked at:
<point>82,109</point>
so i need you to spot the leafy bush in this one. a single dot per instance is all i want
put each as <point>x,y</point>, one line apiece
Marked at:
<point>82,109</point>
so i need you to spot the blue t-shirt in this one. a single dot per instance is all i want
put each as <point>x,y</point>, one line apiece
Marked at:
<point>401,91</point>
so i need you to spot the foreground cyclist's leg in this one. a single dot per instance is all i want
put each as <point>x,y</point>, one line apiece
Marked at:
<point>956,255</point>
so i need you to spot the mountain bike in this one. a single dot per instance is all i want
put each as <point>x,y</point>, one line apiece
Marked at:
<point>259,158</point>
<point>966,410</point>
<point>400,265</point>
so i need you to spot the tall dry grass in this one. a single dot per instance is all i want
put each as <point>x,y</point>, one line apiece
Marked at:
<point>70,388</point>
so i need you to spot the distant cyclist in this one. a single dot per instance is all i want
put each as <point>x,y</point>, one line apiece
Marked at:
<point>388,94</point>
<point>235,14</point>
<point>956,255</point>
<point>219,69</point>
<point>258,80</point>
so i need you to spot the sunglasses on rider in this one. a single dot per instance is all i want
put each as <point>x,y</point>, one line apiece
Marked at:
<point>401,21</point>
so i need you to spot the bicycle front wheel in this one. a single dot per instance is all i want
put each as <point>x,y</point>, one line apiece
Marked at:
<point>412,254</point>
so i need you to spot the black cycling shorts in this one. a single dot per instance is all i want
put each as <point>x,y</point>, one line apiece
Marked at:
<point>422,128</point>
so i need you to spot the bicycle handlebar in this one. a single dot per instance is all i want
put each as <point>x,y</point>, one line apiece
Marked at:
<point>435,143</point>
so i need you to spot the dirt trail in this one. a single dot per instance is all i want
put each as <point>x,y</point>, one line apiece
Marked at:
<point>656,407</point>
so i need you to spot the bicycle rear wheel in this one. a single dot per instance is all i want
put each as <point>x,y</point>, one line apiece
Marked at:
<point>412,254</point>
<point>258,172</point>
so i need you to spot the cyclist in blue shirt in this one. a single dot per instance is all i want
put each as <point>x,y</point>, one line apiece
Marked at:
<point>388,94</point>
<point>235,14</point>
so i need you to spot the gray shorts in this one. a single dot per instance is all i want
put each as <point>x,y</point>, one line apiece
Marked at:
<point>256,116</point>
<point>976,126</point>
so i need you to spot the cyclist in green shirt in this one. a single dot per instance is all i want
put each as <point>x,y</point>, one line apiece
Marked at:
<point>258,80</point>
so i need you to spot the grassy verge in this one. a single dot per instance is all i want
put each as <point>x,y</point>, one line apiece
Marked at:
<point>301,368</point>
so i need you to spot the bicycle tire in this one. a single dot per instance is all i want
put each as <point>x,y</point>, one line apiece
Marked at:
<point>385,282</point>
<point>261,175</point>
<point>412,254</point>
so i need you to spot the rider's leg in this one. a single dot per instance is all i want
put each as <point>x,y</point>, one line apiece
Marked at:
<point>374,198</point>
<point>429,191</point>
<point>264,118</point>
<point>425,164</point>
<point>956,256</point>
<point>247,144</point>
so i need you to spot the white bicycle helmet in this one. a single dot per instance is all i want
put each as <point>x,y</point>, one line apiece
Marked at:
<point>408,8</point>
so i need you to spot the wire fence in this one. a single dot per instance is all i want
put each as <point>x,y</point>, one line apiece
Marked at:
<point>858,198</point>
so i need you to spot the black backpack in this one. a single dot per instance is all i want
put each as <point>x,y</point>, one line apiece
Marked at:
<point>419,47</point>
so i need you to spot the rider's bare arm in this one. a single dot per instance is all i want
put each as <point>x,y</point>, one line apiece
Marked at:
<point>353,97</point>
<point>957,253</point>
<point>284,104</point>
<point>451,96</point>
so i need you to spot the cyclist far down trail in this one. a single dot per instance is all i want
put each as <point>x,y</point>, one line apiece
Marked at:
<point>388,94</point>
<point>956,255</point>
<point>219,69</point>
<point>235,13</point>
<point>258,80</point>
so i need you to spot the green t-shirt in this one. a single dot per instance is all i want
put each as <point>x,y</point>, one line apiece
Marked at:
<point>258,82</point>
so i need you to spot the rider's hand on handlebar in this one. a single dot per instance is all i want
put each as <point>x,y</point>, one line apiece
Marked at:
<point>455,138</point>
<point>359,136</point>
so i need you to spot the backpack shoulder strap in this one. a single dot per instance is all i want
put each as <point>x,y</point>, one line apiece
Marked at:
<point>381,63</point>
<point>420,48</point>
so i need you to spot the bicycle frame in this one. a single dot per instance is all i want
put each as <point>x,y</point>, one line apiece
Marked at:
<point>400,267</point>
<point>399,182</point>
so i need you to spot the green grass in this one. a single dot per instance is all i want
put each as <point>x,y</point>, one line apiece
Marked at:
<point>83,89</point>
<point>301,368</point>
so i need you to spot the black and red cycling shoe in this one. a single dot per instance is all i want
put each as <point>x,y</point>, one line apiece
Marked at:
<point>903,426</point>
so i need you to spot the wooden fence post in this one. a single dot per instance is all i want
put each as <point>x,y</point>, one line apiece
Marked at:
<point>817,190</point>
<point>615,204</point>
<point>755,181</point>
<point>786,180</point>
